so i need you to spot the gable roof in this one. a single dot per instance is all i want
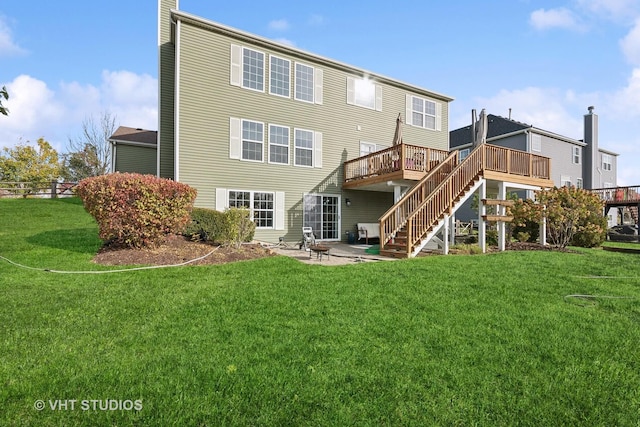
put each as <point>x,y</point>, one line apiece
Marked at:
<point>134,136</point>
<point>499,126</point>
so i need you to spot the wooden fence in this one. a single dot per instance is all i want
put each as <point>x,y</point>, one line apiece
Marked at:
<point>37,189</point>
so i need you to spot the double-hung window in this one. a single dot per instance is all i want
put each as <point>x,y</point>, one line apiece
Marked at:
<point>423,113</point>
<point>280,76</point>
<point>303,154</point>
<point>576,155</point>
<point>252,140</point>
<point>463,154</point>
<point>606,162</point>
<point>364,93</point>
<point>279,144</point>
<point>304,82</point>
<point>247,68</point>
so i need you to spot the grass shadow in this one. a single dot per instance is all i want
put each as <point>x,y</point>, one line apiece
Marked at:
<point>80,240</point>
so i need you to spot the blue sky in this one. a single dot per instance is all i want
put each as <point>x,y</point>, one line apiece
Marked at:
<point>547,61</point>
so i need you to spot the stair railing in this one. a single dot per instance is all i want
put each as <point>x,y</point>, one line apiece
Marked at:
<point>395,218</point>
<point>441,200</point>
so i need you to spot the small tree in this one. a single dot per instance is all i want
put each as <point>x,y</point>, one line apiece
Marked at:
<point>573,216</point>
<point>90,153</point>
<point>4,94</point>
<point>29,167</point>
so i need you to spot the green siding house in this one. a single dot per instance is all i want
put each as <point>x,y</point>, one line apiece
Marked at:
<point>253,123</point>
<point>134,150</point>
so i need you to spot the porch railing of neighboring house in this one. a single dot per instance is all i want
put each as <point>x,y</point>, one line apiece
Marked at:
<point>441,199</point>
<point>401,157</point>
<point>613,195</point>
<point>37,189</point>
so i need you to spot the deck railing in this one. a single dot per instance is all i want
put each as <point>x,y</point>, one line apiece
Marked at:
<point>401,157</point>
<point>438,200</point>
<point>618,194</point>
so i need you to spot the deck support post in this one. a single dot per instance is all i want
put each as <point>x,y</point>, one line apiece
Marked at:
<point>482,211</point>
<point>502,210</point>
<point>445,235</point>
<point>542,237</point>
<point>397,193</point>
<point>452,229</point>
<point>638,222</point>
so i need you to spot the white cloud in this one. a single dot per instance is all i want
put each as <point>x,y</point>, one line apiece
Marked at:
<point>35,110</point>
<point>625,102</point>
<point>8,46</point>
<point>542,19</point>
<point>617,10</point>
<point>279,25</point>
<point>630,44</point>
<point>543,108</point>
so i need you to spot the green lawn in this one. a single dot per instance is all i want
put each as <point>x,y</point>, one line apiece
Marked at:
<point>484,340</point>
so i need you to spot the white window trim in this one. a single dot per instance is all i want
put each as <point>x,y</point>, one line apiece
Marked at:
<point>376,147</point>
<point>576,152</point>
<point>290,79</point>
<point>339,205</point>
<point>536,142</point>
<point>564,179</point>
<point>237,68</point>
<point>607,159</point>
<point>352,99</point>
<point>316,149</point>
<point>222,204</point>
<point>279,145</point>
<point>242,140</point>
<point>579,183</point>
<point>409,112</point>
<point>466,152</point>
<point>318,84</point>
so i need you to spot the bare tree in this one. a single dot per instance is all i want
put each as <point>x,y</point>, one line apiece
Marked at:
<point>90,153</point>
<point>4,94</point>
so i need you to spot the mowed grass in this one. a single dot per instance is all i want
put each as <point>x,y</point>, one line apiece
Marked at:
<point>459,340</point>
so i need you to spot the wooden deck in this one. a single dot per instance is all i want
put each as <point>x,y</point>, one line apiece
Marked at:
<point>400,162</point>
<point>419,212</point>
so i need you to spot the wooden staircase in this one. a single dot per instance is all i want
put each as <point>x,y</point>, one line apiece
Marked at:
<point>418,216</point>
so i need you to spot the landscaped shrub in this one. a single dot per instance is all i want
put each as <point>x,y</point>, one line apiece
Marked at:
<point>136,210</point>
<point>206,225</point>
<point>238,226</point>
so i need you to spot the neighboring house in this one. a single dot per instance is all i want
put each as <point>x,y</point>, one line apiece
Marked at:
<point>581,163</point>
<point>134,150</point>
<point>307,141</point>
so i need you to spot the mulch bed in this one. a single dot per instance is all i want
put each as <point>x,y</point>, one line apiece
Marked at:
<point>177,250</point>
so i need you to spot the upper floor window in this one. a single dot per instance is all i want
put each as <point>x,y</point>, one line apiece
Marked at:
<point>576,155</point>
<point>606,162</point>
<point>303,148</point>
<point>280,76</point>
<point>423,113</point>
<point>304,83</point>
<point>536,142</point>
<point>278,144</point>
<point>247,68</point>
<point>364,93</point>
<point>463,154</point>
<point>252,140</point>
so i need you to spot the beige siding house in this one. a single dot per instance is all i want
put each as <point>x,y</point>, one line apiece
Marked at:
<point>253,123</point>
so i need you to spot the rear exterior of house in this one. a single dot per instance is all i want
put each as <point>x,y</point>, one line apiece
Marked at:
<point>253,123</point>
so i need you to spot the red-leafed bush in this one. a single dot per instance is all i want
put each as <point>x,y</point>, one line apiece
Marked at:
<point>136,210</point>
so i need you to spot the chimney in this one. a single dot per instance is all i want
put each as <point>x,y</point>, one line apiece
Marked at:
<point>590,163</point>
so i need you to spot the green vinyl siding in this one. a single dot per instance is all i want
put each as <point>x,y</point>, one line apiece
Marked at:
<point>166,76</point>
<point>131,158</point>
<point>207,101</point>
